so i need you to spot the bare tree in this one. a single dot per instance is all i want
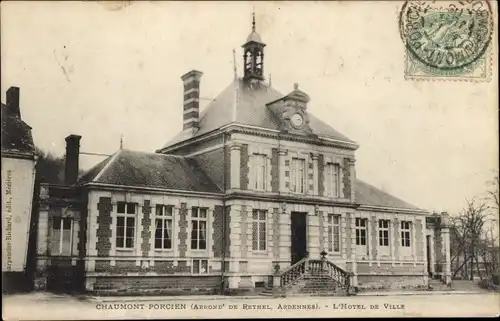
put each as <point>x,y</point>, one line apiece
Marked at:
<point>474,236</point>
<point>467,230</point>
<point>493,193</point>
<point>492,244</point>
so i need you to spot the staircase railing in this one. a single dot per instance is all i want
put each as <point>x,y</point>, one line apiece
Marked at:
<point>294,273</point>
<point>316,267</point>
<point>325,267</point>
<point>308,266</point>
<point>342,277</point>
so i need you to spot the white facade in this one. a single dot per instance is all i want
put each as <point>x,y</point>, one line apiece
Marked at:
<point>18,176</point>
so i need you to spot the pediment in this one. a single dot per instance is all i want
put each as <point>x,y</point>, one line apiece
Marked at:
<point>284,109</point>
<point>299,96</point>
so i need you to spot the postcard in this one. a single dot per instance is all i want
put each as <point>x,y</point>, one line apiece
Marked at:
<point>177,160</point>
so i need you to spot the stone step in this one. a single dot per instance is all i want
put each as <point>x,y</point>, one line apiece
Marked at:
<point>312,283</point>
<point>325,294</point>
<point>319,280</point>
<point>319,286</point>
<point>317,290</point>
<point>315,285</point>
<point>322,281</point>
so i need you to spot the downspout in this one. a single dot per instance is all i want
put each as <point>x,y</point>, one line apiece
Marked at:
<point>279,167</point>
<point>277,265</point>
<point>223,262</point>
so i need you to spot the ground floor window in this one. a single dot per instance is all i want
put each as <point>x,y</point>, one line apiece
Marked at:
<point>259,228</point>
<point>125,225</point>
<point>334,233</point>
<point>405,233</point>
<point>163,223</point>
<point>361,225</point>
<point>62,236</point>
<point>200,266</point>
<point>383,232</point>
<point>199,221</point>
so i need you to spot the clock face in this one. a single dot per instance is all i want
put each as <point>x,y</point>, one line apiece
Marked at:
<point>297,120</point>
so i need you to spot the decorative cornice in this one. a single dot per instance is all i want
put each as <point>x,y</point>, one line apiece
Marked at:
<point>289,199</point>
<point>233,194</point>
<point>139,189</point>
<point>274,134</point>
<point>263,132</point>
<point>392,209</point>
<point>191,140</point>
<point>18,155</point>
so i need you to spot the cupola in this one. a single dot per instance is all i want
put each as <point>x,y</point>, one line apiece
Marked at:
<point>253,56</point>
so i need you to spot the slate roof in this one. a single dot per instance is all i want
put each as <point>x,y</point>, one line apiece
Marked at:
<point>140,169</point>
<point>367,194</point>
<point>251,109</point>
<point>16,134</point>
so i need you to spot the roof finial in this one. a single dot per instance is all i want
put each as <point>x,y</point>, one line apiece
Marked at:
<point>121,141</point>
<point>295,86</point>
<point>270,80</point>
<point>253,19</point>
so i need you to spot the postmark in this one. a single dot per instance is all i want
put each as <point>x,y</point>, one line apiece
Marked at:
<point>447,39</point>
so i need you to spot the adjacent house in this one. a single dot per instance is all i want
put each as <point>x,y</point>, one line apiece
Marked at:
<point>255,191</point>
<point>18,176</point>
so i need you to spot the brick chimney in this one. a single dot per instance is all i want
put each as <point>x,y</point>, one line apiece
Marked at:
<point>72,157</point>
<point>13,102</point>
<point>191,114</point>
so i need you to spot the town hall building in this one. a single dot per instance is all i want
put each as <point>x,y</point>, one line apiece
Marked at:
<point>254,192</point>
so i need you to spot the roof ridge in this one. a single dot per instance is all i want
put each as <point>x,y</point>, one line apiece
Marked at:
<point>155,153</point>
<point>112,158</point>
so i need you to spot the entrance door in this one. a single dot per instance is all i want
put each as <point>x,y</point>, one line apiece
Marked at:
<point>299,240</point>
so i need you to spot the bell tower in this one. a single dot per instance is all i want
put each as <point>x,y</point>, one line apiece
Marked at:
<point>253,57</point>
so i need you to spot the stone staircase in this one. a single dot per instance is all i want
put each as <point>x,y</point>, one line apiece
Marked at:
<point>318,286</point>
<point>310,278</point>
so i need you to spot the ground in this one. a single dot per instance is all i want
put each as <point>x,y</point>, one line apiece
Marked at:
<point>44,306</point>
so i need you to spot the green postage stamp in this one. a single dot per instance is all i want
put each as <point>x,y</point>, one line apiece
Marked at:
<point>447,40</point>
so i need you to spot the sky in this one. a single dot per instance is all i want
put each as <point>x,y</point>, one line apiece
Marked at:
<point>103,70</point>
